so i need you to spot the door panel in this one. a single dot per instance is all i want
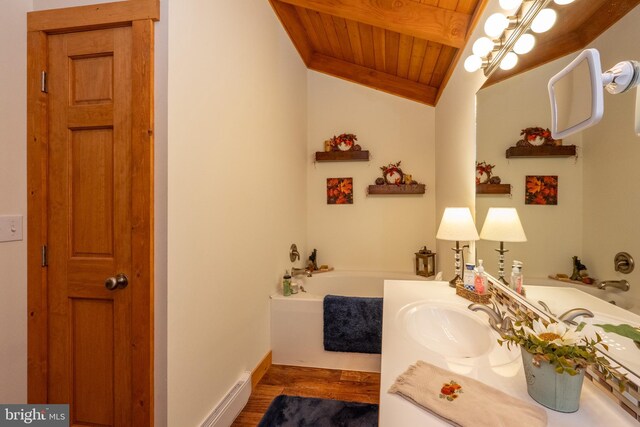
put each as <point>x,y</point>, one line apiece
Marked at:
<point>89,225</point>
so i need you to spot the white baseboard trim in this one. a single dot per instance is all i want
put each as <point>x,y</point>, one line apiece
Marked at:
<point>231,404</point>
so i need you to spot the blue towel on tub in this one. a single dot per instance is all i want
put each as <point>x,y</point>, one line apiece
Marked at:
<point>352,324</point>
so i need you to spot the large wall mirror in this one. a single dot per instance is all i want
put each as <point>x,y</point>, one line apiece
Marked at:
<point>597,213</point>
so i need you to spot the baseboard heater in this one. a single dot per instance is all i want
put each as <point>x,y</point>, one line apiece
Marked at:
<point>231,404</point>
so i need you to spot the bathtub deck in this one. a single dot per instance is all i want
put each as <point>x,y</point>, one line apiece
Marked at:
<point>308,382</point>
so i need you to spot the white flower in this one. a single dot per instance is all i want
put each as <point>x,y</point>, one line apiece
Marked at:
<point>554,333</point>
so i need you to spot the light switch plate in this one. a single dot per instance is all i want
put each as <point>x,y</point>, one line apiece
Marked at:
<point>10,228</point>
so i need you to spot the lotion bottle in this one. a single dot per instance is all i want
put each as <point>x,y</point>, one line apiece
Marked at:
<point>480,279</point>
<point>286,284</point>
<point>517,278</point>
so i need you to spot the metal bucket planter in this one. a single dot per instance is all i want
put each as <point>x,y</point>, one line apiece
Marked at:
<point>560,392</point>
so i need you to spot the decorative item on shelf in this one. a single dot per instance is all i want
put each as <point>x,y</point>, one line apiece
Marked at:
<point>486,183</point>
<point>502,225</point>
<point>343,142</point>
<point>555,358</point>
<point>538,142</point>
<point>339,191</point>
<point>425,262</point>
<point>395,181</point>
<point>457,225</point>
<point>541,190</point>
<point>484,171</point>
<point>536,136</point>
<point>342,148</point>
<point>392,173</point>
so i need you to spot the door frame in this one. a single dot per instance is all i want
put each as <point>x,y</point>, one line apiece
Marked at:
<point>140,15</point>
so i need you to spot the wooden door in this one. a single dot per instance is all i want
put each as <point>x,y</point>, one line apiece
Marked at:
<point>90,211</point>
<point>89,224</point>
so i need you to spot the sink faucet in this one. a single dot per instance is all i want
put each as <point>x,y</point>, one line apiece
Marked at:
<point>568,316</point>
<point>297,271</point>
<point>501,324</point>
<point>620,284</point>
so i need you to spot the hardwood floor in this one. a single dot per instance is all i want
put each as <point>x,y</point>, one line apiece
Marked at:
<point>308,382</point>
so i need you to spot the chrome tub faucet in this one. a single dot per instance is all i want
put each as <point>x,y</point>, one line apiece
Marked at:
<point>298,271</point>
<point>620,284</point>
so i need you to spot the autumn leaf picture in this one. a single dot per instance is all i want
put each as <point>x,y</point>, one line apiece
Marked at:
<point>541,190</point>
<point>340,191</point>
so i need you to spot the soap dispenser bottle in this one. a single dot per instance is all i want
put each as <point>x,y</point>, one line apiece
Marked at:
<point>286,284</point>
<point>517,278</point>
<point>480,279</point>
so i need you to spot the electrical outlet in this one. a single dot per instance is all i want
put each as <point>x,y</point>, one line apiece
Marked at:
<point>10,228</point>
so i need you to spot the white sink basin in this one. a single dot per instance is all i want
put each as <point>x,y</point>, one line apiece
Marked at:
<point>451,331</point>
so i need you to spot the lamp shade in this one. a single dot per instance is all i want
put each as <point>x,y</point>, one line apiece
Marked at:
<point>457,224</point>
<point>503,225</point>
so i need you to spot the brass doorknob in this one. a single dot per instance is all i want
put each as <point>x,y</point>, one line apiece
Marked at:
<point>120,281</point>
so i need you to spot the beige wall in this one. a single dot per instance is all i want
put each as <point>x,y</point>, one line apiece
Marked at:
<point>236,182</point>
<point>554,233</point>
<point>611,166</point>
<point>378,233</point>
<point>13,200</point>
<point>455,145</point>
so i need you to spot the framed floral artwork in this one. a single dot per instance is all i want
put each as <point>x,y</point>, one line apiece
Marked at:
<point>339,191</point>
<point>541,190</point>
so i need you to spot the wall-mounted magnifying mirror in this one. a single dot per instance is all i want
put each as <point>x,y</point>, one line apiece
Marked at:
<point>576,92</point>
<point>576,95</point>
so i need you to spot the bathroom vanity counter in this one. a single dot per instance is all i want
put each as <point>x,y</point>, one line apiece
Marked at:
<point>400,349</point>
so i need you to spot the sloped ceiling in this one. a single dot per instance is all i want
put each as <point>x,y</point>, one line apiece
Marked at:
<point>404,47</point>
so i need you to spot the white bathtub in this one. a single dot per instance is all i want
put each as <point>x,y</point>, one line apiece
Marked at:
<point>296,321</point>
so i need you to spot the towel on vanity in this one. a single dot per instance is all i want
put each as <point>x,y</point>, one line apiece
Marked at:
<point>464,401</point>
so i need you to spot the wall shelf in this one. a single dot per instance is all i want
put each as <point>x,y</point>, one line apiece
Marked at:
<point>342,156</point>
<point>493,188</point>
<point>542,151</point>
<point>397,189</point>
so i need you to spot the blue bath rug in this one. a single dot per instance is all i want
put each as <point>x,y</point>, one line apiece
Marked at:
<point>294,411</point>
<point>352,324</point>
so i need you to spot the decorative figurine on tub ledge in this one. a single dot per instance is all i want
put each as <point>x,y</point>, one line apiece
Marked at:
<point>580,272</point>
<point>312,264</point>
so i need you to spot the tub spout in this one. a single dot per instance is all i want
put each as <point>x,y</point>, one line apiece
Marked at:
<point>620,284</point>
<point>298,271</point>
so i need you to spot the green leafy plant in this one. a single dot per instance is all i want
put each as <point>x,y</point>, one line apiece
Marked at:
<point>562,346</point>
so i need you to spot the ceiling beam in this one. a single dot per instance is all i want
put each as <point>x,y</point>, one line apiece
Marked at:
<point>374,79</point>
<point>403,16</point>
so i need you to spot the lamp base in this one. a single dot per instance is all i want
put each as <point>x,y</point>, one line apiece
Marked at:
<point>453,282</point>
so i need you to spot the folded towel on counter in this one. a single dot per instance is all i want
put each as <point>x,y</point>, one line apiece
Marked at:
<point>464,401</point>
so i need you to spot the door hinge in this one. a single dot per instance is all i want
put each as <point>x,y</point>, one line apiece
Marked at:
<point>45,261</point>
<point>43,82</point>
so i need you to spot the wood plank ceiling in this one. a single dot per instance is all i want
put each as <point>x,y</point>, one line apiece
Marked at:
<point>407,48</point>
<point>410,48</point>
